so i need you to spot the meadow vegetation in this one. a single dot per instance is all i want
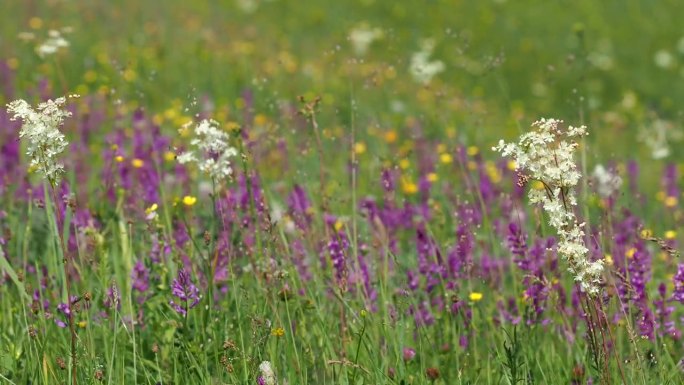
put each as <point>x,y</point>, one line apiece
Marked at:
<point>352,192</point>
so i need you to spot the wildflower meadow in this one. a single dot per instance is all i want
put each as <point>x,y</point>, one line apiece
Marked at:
<point>353,192</point>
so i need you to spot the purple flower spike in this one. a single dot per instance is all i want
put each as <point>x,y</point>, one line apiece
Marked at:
<point>185,291</point>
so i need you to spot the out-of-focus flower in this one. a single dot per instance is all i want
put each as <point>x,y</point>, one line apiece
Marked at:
<point>267,376</point>
<point>607,182</point>
<point>658,137</point>
<point>362,37</point>
<point>421,68</point>
<point>475,296</point>
<point>408,354</point>
<point>41,133</point>
<point>212,151</point>
<point>54,42</point>
<point>189,200</point>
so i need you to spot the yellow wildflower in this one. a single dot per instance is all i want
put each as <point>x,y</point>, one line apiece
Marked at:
<point>671,201</point>
<point>390,136</point>
<point>151,209</point>
<point>137,163</point>
<point>446,158</point>
<point>475,296</point>
<point>609,259</point>
<point>473,150</point>
<point>408,187</point>
<point>189,200</point>
<point>630,252</point>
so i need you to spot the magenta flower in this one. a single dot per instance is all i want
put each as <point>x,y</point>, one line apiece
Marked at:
<point>185,291</point>
<point>409,354</point>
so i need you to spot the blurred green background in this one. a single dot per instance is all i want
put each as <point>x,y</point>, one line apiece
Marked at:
<point>616,65</point>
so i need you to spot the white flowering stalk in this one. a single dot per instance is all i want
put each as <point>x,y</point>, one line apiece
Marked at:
<point>41,132</point>
<point>422,69</point>
<point>546,155</point>
<point>212,151</point>
<point>54,42</point>
<point>267,376</point>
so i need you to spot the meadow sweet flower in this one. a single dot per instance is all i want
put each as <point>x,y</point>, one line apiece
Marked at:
<point>362,37</point>
<point>547,155</point>
<point>267,376</point>
<point>52,44</point>
<point>212,152</point>
<point>421,68</point>
<point>607,181</point>
<point>40,130</point>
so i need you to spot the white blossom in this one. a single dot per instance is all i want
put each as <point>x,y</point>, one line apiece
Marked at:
<point>362,37</point>
<point>267,373</point>
<point>54,42</point>
<point>421,68</point>
<point>40,130</point>
<point>547,155</point>
<point>212,152</point>
<point>607,182</point>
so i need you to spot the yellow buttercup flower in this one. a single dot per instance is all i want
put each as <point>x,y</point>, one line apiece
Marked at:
<point>408,187</point>
<point>151,209</point>
<point>137,163</point>
<point>189,200</point>
<point>473,150</point>
<point>446,158</point>
<point>277,332</point>
<point>475,296</point>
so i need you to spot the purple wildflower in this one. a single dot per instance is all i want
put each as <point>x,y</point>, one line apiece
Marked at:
<point>140,276</point>
<point>185,291</point>
<point>678,280</point>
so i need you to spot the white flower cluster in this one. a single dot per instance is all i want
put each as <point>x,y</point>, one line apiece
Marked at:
<point>213,152</point>
<point>546,155</point>
<point>267,373</point>
<point>607,181</point>
<point>54,42</point>
<point>659,136</point>
<point>40,131</point>
<point>362,37</point>
<point>422,69</point>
